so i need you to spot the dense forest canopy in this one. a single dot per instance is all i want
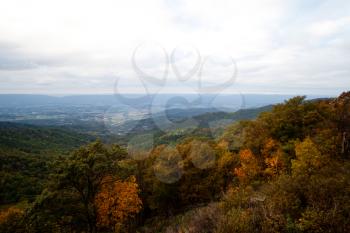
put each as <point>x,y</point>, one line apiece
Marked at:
<point>288,170</point>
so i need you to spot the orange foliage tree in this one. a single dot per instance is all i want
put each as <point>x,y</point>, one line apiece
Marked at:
<point>249,166</point>
<point>273,156</point>
<point>10,220</point>
<point>116,202</point>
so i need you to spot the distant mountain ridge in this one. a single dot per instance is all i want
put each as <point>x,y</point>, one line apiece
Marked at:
<point>207,100</point>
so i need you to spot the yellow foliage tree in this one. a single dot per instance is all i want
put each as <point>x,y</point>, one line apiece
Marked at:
<point>308,158</point>
<point>116,202</point>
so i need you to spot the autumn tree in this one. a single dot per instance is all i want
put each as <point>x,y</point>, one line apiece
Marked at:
<point>273,158</point>
<point>308,158</point>
<point>249,167</point>
<point>342,116</point>
<point>11,220</point>
<point>69,200</point>
<point>234,136</point>
<point>226,163</point>
<point>116,202</point>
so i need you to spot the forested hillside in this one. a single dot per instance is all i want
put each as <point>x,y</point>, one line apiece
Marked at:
<point>42,140</point>
<point>25,152</point>
<point>288,170</point>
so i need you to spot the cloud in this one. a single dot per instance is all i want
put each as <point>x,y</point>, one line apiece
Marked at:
<point>11,59</point>
<point>328,27</point>
<point>81,46</point>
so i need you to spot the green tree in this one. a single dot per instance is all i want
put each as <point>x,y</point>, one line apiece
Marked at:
<point>69,201</point>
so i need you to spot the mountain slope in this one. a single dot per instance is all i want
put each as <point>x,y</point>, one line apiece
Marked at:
<point>39,140</point>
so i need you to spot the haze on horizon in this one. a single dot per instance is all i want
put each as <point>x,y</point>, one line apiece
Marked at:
<point>82,47</point>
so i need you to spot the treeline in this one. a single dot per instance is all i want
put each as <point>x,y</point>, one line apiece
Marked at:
<point>286,171</point>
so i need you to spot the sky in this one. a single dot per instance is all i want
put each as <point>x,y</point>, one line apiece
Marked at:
<point>174,46</point>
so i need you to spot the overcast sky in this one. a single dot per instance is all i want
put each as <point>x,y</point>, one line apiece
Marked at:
<point>83,46</point>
